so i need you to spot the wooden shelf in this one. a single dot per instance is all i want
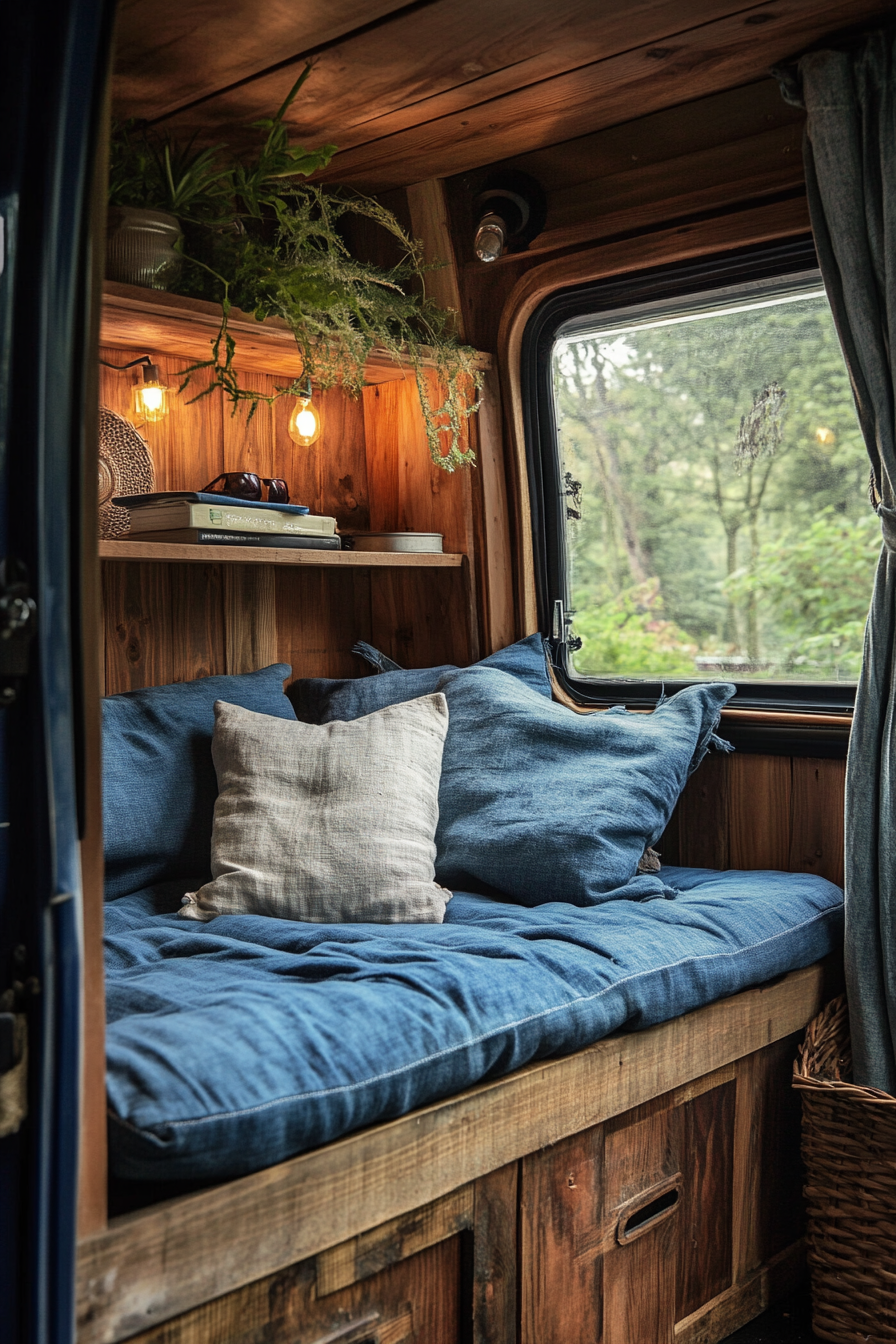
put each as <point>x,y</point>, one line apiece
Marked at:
<point>180,552</point>
<point>151,320</point>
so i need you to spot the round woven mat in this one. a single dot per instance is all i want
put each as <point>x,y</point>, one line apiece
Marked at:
<point>125,466</point>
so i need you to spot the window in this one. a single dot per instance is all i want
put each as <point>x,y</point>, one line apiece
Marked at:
<point>700,484</point>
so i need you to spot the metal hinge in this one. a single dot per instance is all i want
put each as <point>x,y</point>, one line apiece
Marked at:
<point>18,626</point>
<point>560,629</point>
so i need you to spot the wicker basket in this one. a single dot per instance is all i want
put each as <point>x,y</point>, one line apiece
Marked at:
<point>849,1148</point>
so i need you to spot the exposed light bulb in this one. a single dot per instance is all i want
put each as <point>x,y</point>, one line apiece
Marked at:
<point>304,422</point>
<point>150,396</point>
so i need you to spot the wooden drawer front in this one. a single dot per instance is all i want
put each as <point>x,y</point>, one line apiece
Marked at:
<point>416,1301</point>
<point>625,1226</point>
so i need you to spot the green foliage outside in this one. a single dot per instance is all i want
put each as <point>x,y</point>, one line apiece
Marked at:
<point>724,522</point>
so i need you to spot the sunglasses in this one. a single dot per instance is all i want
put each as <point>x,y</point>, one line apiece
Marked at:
<point>246,485</point>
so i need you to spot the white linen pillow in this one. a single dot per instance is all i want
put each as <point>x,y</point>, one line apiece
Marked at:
<point>331,823</point>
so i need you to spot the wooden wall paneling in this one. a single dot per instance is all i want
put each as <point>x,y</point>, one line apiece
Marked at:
<point>320,614</point>
<point>421,618</point>
<point>386,413</point>
<point>759,803</point>
<point>416,1301</point>
<point>341,449</point>
<point>703,815</point>
<point>706,1143</point>
<point>561,1241</point>
<point>396,149</point>
<point>817,835</point>
<point>495,1256</point>
<point>163,624</point>
<point>250,617</point>
<point>247,434</point>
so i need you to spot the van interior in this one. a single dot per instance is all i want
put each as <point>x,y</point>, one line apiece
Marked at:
<point>558,622</point>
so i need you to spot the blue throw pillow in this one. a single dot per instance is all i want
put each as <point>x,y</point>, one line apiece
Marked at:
<point>159,784</point>
<point>543,804</point>
<point>322,699</point>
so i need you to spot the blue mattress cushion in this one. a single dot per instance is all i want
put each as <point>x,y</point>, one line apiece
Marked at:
<point>322,699</point>
<point>541,803</point>
<point>234,1045</point>
<point>159,784</point>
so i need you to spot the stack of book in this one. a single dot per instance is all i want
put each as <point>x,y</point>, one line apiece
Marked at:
<point>215,520</point>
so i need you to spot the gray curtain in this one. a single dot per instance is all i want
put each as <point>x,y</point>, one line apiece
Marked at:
<point>850,155</point>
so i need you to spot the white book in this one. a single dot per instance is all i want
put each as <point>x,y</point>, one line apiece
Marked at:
<point>180,513</point>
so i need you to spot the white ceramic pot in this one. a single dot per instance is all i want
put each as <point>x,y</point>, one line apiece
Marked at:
<point>140,247</point>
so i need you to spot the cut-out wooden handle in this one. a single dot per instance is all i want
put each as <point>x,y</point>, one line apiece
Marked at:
<point>647,1210</point>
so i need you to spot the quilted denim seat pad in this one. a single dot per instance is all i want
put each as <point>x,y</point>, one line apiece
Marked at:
<point>235,1045</point>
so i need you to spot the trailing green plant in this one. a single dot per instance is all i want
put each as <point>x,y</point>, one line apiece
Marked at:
<point>263,241</point>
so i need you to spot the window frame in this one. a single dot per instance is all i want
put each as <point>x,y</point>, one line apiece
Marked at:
<point>783,717</point>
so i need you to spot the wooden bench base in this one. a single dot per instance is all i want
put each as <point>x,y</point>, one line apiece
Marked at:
<point>643,1191</point>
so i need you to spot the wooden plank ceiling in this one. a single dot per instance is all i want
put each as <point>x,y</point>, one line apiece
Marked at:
<point>438,87</point>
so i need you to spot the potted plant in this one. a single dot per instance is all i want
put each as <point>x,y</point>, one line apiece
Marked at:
<point>255,236</point>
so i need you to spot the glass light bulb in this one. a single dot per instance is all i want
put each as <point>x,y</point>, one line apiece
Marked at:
<point>304,422</point>
<point>150,401</point>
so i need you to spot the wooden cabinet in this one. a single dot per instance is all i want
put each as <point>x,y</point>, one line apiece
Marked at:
<point>637,1231</point>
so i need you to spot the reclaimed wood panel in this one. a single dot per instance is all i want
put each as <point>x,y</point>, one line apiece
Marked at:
<point>760,812</point>
<point>706,1142</point>
<point>560,1206</point>
<point>495,1258</point>
<point>319,617</point>
<point>415,1301</point>
<point>644,76</point>
<point>164,623</point>
<point>190,51</point>
<point>817,837</point>
<point>250,617</point>
<point>259,1224</point>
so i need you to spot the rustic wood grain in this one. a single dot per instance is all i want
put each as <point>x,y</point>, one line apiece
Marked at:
<point>189,52</point>
<point>413,1302</point>
<point>167,552</point>
<point>320,615</point>
<point>164,623</point>
<point>759,803</point>
<point>817,835</point>
<point>495,565</point>
<point>723,1315</point>
<point>639,1278</point>
<point>494,1272</point>
<point>430,225</point>
<point>421,622</point>
<point>386,1245</point>
<point>560,1250</point>
<point>261,1223</point>
<point>641,78</point>
<point>250,617</point>
<point>703,815</point>
<point>706,1144</point>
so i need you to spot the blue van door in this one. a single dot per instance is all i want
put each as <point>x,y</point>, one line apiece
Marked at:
<point>53,71</point>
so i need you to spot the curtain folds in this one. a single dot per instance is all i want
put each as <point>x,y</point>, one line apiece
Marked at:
<point>850,156</point>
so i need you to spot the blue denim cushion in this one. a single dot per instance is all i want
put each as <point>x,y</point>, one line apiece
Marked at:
<point>159,784</point>
<point>236,1044</point>
<point>542,803</point>
<point>322,699</point>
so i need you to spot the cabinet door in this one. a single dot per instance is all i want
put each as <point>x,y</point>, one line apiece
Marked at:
<point>626,1227</point>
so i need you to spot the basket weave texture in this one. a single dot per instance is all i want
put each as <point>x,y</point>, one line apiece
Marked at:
<point>849,1148</point>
